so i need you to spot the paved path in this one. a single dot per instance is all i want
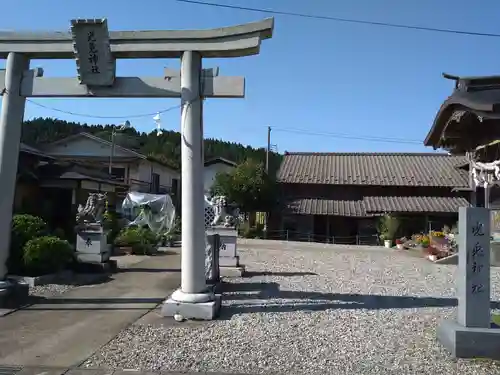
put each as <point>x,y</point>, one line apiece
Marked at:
<point>63,331</point>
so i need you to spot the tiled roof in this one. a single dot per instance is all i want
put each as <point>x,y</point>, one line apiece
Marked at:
<point>33,151</point>
<point>315,206</point>
<point>381,169</point>
<point>370,206</point>
<point>414,204</point>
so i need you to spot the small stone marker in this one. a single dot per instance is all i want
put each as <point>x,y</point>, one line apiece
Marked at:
<point>471,335</point>
<point>473,284</point>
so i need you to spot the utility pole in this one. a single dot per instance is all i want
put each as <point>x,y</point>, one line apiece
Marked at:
<point>268,150</point>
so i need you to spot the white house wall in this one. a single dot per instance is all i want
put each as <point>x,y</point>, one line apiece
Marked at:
<point>211,171</point>
<point>84,147</point>
<point>137,173</point>
<point>147,167</point>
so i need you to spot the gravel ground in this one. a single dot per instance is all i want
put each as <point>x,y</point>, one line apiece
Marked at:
<point>50,290</point>
<point>76,281</point>
<point>312,312</point>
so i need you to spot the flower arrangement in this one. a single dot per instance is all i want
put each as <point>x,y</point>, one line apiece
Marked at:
<point>425,241</point>
<point>437,234</point>
<point>417,238</point>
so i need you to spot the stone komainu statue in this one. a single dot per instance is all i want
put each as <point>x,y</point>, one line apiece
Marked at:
<point>93,212</point>
<point>224,214</point>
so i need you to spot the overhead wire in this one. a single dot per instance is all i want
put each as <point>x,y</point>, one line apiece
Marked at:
<point>348,136</point>
<point>276,129</point>
<point>340,19</point>
<point>84,115</point>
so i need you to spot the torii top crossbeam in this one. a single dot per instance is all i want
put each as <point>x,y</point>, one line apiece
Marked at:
<point>234,41</point>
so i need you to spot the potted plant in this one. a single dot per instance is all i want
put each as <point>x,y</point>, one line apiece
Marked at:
<point>425,242</point>
<point>399,244</point>
<point>387,242</point>
<point>388,226</point>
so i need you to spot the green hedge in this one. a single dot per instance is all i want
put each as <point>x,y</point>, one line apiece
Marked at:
<point>47,254</point>
<point>24,228</point>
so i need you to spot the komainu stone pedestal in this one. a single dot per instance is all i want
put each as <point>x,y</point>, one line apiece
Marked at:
<point>13,294</point>
<point>472,334</point>
<point>229,261</point>
<point>92,245</point>
<point>212,270</point>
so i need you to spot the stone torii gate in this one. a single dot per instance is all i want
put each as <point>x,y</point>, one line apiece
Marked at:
<point>96,50</point>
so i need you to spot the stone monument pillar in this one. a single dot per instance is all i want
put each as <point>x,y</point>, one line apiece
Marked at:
<point>472,334</point>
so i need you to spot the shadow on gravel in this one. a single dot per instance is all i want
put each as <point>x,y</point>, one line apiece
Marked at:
<point>249,274</point>
<point>148,270</point>
<point>37,303</point>
<point>267,297</point>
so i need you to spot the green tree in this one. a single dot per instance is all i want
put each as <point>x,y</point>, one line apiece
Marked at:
<point>248,186</point>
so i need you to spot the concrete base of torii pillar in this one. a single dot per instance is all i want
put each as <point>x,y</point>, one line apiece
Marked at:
<point>191,310</point>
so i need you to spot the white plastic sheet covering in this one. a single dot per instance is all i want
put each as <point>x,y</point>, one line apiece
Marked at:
<point>154,210</point>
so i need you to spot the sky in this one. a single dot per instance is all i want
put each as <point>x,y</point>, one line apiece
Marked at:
<point>322,86</point>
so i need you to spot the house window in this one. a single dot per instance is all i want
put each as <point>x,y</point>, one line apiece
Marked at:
<point>155,183</point>
<point>116,173</point>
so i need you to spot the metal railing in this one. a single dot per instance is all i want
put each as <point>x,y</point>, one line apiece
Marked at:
<point>289,235</point>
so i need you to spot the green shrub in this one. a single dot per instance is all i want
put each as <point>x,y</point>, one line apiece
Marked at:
<point>128,236</point>
<point>27,227</point>
<point>24,228</point>
<point>141,240</point>
<point>47,254</point>
<point>148,236</point>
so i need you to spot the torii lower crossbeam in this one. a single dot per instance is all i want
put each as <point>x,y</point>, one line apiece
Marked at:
<point>126,87</point>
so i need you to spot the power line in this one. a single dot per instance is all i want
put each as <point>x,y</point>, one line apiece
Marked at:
<point>339,19</point>
<point>85,115</point>
<point>347,136</point>
<point>278,129</point>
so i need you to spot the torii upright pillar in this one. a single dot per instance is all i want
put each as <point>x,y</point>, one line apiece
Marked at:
<point>95,50</point>
<point>193,283</point>
<point>11,119</point>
